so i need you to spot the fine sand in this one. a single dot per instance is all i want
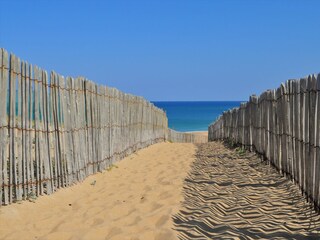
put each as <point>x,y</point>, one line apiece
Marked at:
<point>134,200</point>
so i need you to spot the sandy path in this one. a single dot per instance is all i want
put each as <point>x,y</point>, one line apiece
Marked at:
<point>200,133</point>
<point>134,201</point>
<point>233,196</point>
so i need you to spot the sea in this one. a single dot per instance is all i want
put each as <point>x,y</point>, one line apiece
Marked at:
<point>194,116</point>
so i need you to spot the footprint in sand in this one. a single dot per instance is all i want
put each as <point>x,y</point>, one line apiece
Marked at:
<point>161,173</point>
<point>97,222</point>
<point>162,181</point>
<point>165,183</point>
<point>147,188</point>
<point>162,220</point>
<point>113,232</point>
<point>164,195</point>
<point>155,207</point>
<point>135,221</point>
<point>164,234</point>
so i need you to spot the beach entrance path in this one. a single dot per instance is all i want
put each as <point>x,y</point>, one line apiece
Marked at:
<point>231,194</point>
<point>133,200</point>
<point>170,191</point>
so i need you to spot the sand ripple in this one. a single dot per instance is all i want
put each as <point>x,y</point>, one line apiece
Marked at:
<point>233,197</point>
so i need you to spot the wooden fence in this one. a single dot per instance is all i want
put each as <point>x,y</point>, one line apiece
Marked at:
<point>183,137</point>
<point>283,125</point>
<point>55,131</point>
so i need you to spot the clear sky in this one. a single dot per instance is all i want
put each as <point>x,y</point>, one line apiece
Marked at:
<point>168,49</point>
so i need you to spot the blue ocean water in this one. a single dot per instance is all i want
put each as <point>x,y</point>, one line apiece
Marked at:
<point>194,116</point>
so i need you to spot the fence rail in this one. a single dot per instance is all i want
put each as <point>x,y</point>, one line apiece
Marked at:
<point>283,125</point>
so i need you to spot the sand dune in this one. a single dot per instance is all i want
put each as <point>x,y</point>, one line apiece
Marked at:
<point>233,196</point>
<point>134,200</point>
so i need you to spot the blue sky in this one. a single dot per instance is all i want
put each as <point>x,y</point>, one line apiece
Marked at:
<point>168,49</point>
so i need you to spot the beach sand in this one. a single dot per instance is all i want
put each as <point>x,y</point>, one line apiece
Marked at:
<point>232,194</point>
<point>135,200</point>
<point>167,191</point>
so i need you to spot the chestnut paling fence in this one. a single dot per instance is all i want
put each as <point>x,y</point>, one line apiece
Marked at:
<point>55,131</point>
<point>175,136</point>
<point>283,125</point>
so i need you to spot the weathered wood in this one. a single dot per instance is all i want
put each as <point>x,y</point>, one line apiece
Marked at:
<point>12,109</point>
<point>289,127</point>
<point>45,129</point>
<point>42,148</point>
<point>284,127</point>
<point>3,115</point>
<point>38,162</point>
<point>303,131</point>
<point>298,132</point>
<point>23,115</point>
<point>76,161</point>
<point>51,134</point>
<point>4,131</point>
<point>82,132</point>
<point>316,192</point>
<point>56,131</point>
<point>55,145</point>
<point>312,126</point>
<point>68,123</point>
<point>32,153</point>
<point>294,132</point>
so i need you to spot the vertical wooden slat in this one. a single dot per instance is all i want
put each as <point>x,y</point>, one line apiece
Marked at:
<point>98,128</point>
<point>4,130</point>
<point>317,145</point>
<point>111,124</point>
<point>24,81</point>
<point>289,128</point>
<point>59,131</point>
<point>312,134</point>
<point>54,94</point>
<point>12,109</point>
<point>51,134</point>
<point>31,165</point>
<point>37,164</point>
<point>89,124</point>
<point>294,131</point>
<point>3,115</point>
<point>68,123</point>
<point>76,168</point>
<point>94,123</point>
<point>303,131</point>
<point>41,148</point>
<point>46,134</point>
<point>82,125</point>
<point>274,127</point>
<point>284,124</point>
<point>298,132</point>
<point>18,133</point>
<point>63,165</point>
<point>49,129</point>
<point>307,137</point>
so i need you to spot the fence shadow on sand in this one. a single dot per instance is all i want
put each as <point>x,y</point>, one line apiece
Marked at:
<point>232,195</point>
